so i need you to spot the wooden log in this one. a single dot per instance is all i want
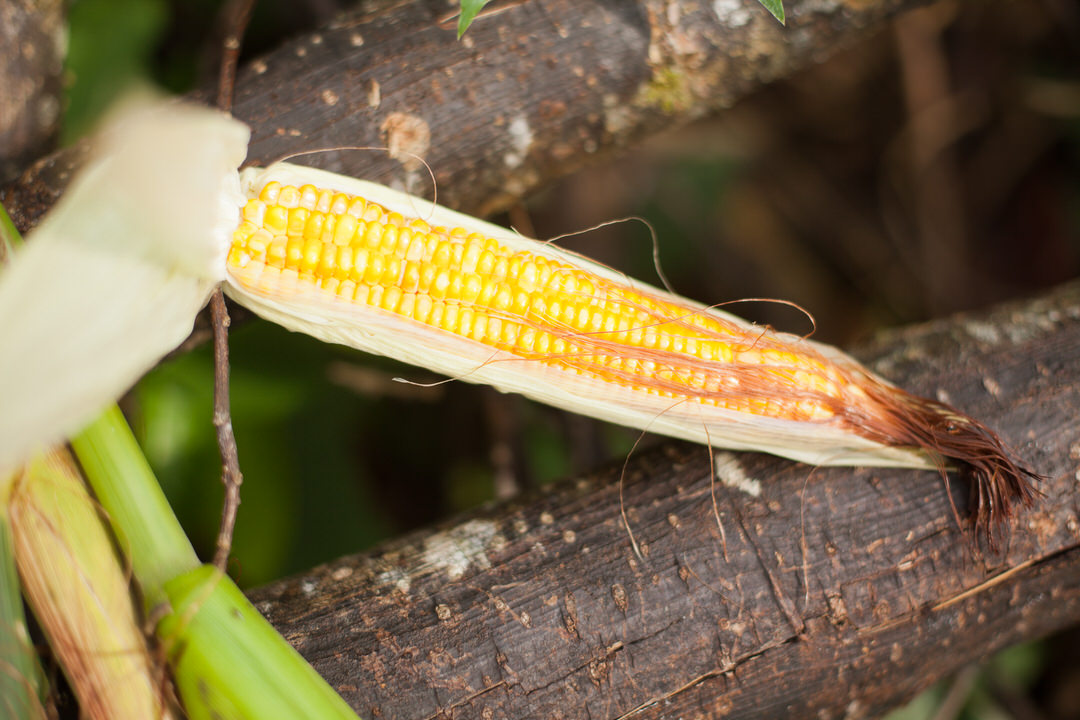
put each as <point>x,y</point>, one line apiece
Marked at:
<point>802,592</point>
<point>531,94</point>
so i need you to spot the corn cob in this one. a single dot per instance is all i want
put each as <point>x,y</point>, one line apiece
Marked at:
<point>359,264</point>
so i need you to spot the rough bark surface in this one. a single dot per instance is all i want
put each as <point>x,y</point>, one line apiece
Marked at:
<point>32,41</point>
<point>828,592</point>
<point>532,93</point>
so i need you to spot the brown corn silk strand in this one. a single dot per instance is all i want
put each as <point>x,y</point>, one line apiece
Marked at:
<point>537,309</point>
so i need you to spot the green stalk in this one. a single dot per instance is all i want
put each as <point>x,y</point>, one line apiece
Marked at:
<point>144,523</point>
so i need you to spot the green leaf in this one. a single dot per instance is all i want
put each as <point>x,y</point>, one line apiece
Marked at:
<point>776,7</point>
<point>469,8</point>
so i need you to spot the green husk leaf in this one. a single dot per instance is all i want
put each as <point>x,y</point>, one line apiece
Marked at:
<point>776,7</point>
<point>469,9</point>
<point>230,663</point>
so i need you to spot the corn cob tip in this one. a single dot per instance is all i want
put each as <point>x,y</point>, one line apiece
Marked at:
<point>998,485</point>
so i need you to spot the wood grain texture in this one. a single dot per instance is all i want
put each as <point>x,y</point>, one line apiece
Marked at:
<point>830,593</point>
<point>531,94</point>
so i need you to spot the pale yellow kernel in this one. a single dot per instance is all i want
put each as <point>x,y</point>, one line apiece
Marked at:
<point>359,265</point>
<point>343,261</point>
<point>427,276</point>
<point>442,282</point>
<point>422,308</point>
<point>331,285</point>
<point>566,280</point>
<point>435,317</point>
<point>415,253</point>
<point>651,337</point>
<point>493,330</point>
<point>395,218</point>
<point>254,211</point>
<point>357,206</point>
<point>527,339</point>
<point>289,197</point>
<point>485,263</point>
<point>373,235</point>
<point>537,306</point>
<point>294,252</point>
<point>558,346</point>
<point>346,290</point>
<point>585,287</point>
<point>363,292</point>
<point>410,277</point>
<point>392,272</point>
<point>309,195</point>
<point>419,226</point>
<point>442,255</point>
<point>376,294</point>
<point>326,198</point>
<point>465,318</point>
<point>269,280</point>
<point>269,193</point>
<point>405,237</point>
<point>510,333</point>
<point>488,292</point>
<point>458,232</point>
<point>478,331</point>
<point>339,204</point>
<point>449,317</point>
<point>521,302</point>
<point>456,281</point>
<point>243,231</point>
<point>692,347</point>
<point>389,239</point>
<point>457,249</point>
<point>514,268</point>
<point>275,252</point>
<point>327,260</point>
<point>314,226</point>
<point>527,276</point>
<point>543,272</point>
<point>374,213</point>
<point>258,242</point>
<point>471,256</point>
<point>297,221</point>
<point>328,227</point>
<point>276,219</point>
<point>345,230</point>
<point>375,268</point>
<point>471,289</point>
<point>239,257</point>
<point>542,344</point>
<point>569,314</point>
<point>503,298</point>
<point>408,302</point>
<point>610,321</point>
<point>391,299</point>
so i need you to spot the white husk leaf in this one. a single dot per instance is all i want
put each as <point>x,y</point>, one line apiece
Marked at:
<point>113,277</point>
<point>373,330</point>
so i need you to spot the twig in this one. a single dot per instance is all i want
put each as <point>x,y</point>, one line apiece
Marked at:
<point>230,473</point>
<point>237,14</point>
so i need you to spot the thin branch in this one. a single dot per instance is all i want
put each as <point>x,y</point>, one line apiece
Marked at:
<point>237,14</point>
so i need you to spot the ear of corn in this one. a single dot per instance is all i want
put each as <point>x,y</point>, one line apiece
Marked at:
<point>360,264</point>
<point>80,593</point>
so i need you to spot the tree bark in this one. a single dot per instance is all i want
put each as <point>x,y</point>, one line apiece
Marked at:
<point>531,94</point>
<point>803,592</point>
